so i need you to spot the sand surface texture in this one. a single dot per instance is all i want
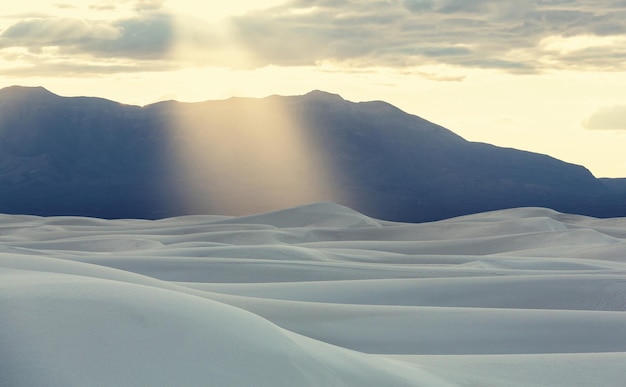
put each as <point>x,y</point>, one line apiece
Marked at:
<point>318,295</point>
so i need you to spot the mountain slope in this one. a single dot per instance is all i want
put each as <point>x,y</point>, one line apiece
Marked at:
<point>94,157</point>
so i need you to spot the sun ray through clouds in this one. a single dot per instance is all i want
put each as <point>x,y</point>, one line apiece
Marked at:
<point>242,156</point>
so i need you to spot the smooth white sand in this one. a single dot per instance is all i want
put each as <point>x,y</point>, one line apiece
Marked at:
<point>317,295</point>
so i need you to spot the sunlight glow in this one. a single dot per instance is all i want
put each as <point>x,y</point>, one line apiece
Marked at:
<point>246,156</point>
<point>565,45</point>
<point>212,11</point>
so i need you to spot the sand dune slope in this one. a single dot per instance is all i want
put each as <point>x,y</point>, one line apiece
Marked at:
<point>318,295</point>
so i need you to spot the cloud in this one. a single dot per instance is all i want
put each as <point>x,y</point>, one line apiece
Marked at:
<point>147,37</point>
<point>148,5</point>
<point>608,118</point>
<point>497,34</point>
<point>102,7</point>
<point>64,6</point>
<point>56,32</point>
<point>24,15</point>
<point>515,36</point>
<point>450,6</point>
<point>136,5</point>
<point>440,77</point>
<point>68,68</point>
<point>64,46</point>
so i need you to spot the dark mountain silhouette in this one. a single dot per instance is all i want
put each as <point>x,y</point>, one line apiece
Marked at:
<point>94,157</point>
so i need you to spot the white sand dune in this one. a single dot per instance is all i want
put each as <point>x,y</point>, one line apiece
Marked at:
<point>318,295</point>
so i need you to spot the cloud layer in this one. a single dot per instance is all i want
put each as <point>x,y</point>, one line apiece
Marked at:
<point>503,34</point>
<point>518,36</point>
<point>608,118</point>
<point>147,37</point>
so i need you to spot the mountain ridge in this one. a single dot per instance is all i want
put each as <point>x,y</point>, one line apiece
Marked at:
<point>95,157</point>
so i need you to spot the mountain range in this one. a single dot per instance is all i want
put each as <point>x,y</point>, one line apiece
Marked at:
<point>94,157</point>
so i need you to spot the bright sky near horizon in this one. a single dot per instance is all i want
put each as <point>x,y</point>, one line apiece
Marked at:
<point>541,75</point>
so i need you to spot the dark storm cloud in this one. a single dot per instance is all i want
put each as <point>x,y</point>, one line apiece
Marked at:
<point>608,118</point>
<point>504,34</point>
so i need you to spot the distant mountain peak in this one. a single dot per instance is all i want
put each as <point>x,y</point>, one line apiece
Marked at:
<point>25,92</point>
<point>25,89</point>
<point>323,95</point>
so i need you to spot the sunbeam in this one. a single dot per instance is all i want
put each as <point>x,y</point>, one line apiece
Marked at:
<point>242,156</point>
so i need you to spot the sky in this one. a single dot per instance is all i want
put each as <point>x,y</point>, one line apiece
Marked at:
<point>546,76</point>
